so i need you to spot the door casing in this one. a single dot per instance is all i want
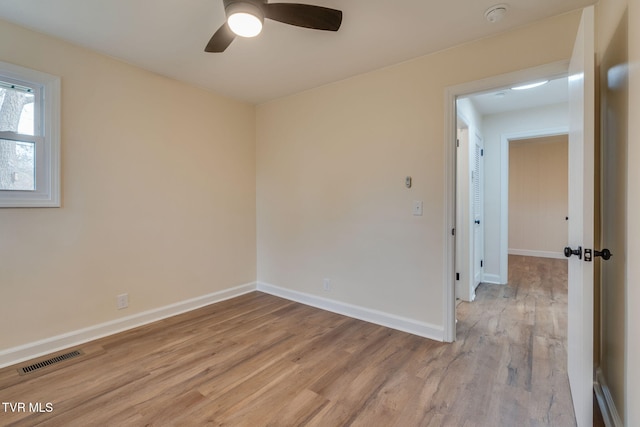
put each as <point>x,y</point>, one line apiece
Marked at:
<point>548,71</point>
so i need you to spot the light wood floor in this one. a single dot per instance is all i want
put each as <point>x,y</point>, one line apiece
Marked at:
<point>258,360</point>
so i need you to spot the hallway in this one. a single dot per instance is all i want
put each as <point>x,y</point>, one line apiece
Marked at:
<point>513,343</point>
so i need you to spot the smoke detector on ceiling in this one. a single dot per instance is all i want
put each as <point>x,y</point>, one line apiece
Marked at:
<point>495,13</point>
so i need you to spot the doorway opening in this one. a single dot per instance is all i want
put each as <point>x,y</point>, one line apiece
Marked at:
<point>580,70</point>
<point>526,186</point>
<point>511,226</point>
<point>481,128</point>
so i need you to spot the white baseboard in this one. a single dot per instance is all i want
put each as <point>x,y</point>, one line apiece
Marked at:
<point>494,279</point>
<point>14,355</point>
<point>605,401</point>
<point>35,349</point>
<point>368,315</point>
<point>539,254</point>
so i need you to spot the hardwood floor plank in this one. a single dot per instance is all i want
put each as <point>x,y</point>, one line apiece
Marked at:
<point>258,360</point>
<point>298,411</point>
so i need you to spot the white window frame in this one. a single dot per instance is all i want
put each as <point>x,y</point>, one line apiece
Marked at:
<point>46,88</point>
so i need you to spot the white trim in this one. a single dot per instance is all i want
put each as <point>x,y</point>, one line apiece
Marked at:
<point>534,133</point>
<point>605,401</point>
<point>449,274</point>
<point>35,349</point>
<point>555,69</point>
<point>539,254</point>
<point>14,355</point>
<point>392,321</point>
<point>493,279</point>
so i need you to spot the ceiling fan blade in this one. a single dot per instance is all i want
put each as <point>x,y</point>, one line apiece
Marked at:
<point>304,15</point>
<point>221,39</point>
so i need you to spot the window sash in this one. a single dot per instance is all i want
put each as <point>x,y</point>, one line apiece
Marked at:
<point>36,90</point>
<point>46,90</point>
<point>41,169</point>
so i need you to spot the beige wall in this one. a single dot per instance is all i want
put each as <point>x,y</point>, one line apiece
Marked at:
<point>632,291</point>
<point>614,97</point>
<point>158,197</point>
<point>613,43</point>
<point>538,195</point>
<point>331,164</point>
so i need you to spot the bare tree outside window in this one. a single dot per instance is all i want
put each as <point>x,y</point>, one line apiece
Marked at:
<point>29,138</point>
<point>17,158</point>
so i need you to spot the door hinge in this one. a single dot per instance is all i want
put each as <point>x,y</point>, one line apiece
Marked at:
<point>457,143</point>
<point>453,231</point>
<point>482,152</point>
<point>481,263</point>
<point>457,276</point>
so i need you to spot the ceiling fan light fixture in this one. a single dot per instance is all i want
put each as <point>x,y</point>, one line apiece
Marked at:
<point>244,19</point>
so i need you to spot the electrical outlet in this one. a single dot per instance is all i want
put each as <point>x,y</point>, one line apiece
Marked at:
<point>326,284</point>
<point>122,301</point>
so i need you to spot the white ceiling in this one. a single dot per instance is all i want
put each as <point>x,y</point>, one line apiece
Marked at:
<point>169,36</point>
<point>498,101</point>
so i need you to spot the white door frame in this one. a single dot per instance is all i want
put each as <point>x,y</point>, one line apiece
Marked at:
<point>550,71</point>
<point>505,139</point>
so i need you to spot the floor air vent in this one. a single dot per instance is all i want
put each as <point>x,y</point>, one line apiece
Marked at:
<point>42,364</point>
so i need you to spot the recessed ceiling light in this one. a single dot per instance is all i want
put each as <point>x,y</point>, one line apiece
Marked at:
<point>530,85</point>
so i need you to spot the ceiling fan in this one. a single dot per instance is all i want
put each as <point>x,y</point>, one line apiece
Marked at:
<point>245,18</point>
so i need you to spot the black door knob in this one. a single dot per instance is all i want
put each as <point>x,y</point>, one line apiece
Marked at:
<point>605,254</point>
<point>568,252</point>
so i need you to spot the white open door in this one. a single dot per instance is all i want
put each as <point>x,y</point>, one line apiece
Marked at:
<point>477,195</point>
<point>463,218</point>
<point>469,212</point>
<point>581,226</point>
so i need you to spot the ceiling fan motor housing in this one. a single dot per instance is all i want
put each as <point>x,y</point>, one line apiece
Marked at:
<point>247,6</point>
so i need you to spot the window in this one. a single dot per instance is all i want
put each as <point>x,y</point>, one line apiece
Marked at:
<point>29,138</point>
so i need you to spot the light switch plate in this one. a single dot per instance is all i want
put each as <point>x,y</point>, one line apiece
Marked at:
<point>417,208</point>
